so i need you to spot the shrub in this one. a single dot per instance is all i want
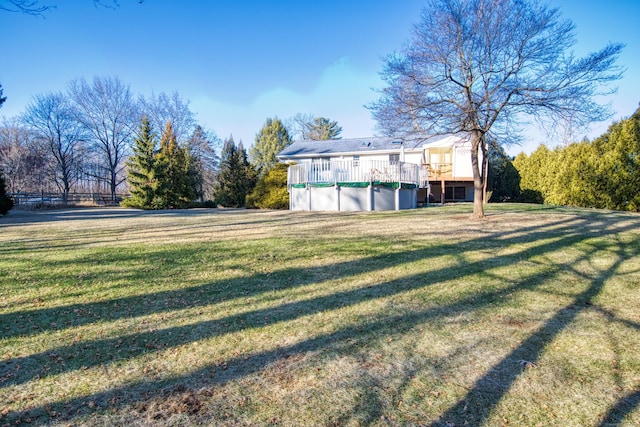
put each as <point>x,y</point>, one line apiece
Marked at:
<point>270,191</point>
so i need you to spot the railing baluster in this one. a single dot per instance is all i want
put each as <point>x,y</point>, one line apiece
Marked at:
<point>346,171</point>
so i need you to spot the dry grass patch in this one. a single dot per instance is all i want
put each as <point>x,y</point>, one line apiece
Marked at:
<point>424,317</point>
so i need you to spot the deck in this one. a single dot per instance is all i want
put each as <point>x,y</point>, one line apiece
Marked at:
<point>349,172</point>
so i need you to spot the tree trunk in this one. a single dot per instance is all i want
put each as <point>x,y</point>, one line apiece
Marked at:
<point>65,192</point>
<point>478,177</point>
<point>113,185</point>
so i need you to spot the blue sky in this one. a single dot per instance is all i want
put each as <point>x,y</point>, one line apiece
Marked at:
<point>238,62</point>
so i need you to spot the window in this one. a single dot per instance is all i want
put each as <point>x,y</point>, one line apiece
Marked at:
<point>394,158</point>
<point>455,193</point>
<point>356,161</point>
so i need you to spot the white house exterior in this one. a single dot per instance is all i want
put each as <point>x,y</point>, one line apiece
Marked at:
<point>378,173</point>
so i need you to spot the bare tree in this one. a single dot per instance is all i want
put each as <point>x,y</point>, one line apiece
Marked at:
<point>55,123</point>
<point>107,110</point>
<point>23,165</point>
<point>163,108</point>
<point>307,127</point>
<point>481,66</point>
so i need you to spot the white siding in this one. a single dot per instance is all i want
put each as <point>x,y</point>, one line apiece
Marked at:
<point>462,162</point>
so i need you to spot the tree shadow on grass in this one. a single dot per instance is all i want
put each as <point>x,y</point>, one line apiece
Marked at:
<point>112,231</point>
<point>475,408</point>
<point>489,389</point>
<point>35,321</point>
<point>25,216</point>
<point>624,406</point>
<point>82,354</point>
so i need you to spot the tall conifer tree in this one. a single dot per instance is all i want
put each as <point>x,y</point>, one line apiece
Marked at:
<point>2,98</point>
<point>236,177</point>
<point>142,170</point>
<point>201,146</point>
<point>5,201</point>
<point>272,138</point>
<point>249,174</point>
<point>173,160</point>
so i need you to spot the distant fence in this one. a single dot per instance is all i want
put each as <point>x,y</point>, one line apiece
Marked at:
<point>57,199</point>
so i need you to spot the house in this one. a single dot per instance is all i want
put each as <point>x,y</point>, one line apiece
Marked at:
<point>378,173</point>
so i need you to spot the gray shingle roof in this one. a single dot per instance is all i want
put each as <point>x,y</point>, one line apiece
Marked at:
<point>350,146</point>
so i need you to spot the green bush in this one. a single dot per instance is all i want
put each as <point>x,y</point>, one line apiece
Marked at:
<point>601,174</point>
<point>270,191</point>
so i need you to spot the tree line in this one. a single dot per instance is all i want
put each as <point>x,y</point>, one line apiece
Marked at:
<point>603,173</point>
<point>79,140</point>
<point>98,137</point>
<point>6,203</point>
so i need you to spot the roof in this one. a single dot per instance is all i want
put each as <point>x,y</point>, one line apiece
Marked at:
<point>351,146</point>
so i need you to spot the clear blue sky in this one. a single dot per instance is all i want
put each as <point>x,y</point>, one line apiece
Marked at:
<point>241,61</point>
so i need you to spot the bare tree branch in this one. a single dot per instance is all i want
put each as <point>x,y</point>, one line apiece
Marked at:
<point>53,121</point>
<point>37,8</point>
<point>482,66</point>
<point>107,110</point>
<point>29,7</point>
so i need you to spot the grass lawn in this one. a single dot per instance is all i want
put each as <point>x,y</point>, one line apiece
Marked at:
<point>251,318</point>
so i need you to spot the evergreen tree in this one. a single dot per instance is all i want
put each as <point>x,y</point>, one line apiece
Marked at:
<point>204,161</point>
<point>271,191</point>
<point>271,140</point>
<point>2,98</point>
<point>575,182</point>
<point>142,170</point>
<point>6,203</point>
<point>193,185</point>
<point>503,179</point>
<point>618,151</point>
<point>532,174</point>
<point>226,173</point>
<point>307,127</point>
<point>236,176</point>
<point>175,165</point>
<point>321,129</point>
<point>602,174</point>
<point>249,173</point>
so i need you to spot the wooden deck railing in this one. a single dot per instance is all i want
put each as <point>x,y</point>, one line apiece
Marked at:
<point>438,171</point>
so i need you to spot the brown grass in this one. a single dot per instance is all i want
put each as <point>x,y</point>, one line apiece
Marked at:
<point>122,317</point>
